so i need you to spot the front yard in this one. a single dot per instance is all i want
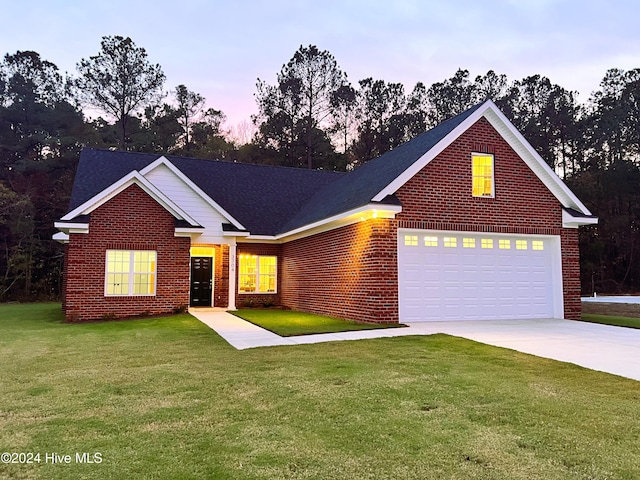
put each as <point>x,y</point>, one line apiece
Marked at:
<point>168,398</point>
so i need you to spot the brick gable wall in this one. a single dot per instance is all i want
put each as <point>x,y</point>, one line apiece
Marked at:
<point>132,220</point>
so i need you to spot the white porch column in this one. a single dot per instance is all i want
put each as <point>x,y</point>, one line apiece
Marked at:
<point>232,274</point>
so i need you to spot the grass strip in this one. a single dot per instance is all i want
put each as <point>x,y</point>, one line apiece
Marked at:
<point>287,323</point>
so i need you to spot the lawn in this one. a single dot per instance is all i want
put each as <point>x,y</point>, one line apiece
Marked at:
<point>288,323</point>
<point>612,320</point>
<point>167,398</point>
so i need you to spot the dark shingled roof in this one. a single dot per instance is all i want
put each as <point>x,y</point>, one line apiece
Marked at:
<point>357,188</point>
<point>267,200</point>
<point>261,197</point>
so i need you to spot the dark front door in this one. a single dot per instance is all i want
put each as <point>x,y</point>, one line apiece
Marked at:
<point>201,281</point>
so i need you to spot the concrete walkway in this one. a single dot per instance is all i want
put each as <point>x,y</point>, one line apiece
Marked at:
<point>598,347</point>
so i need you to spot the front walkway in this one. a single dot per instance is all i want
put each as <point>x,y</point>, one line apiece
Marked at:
<point>605,348</point>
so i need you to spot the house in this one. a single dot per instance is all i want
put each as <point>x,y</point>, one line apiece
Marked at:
<point>466,221</point>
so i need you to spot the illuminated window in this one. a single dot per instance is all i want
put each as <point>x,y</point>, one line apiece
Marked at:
<point>487,243</point>
<point>504,244</point>
<point>537,245</point>
<point>430,241</point>
<point>521,245</point>
<point>130,272</point>
<point>469,243</point>
<point>257,274</point>
<point>411,240</point>
<point>450,242</point>
<point>482,172</point>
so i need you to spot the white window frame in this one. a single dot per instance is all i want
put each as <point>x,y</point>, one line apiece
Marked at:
<point>131,274</point>
<point>258,274</point>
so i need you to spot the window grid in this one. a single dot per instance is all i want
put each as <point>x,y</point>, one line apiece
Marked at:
<point>469,243</point>
<point>504,244</point>
<point>430,241</point>
<point>450,242</point>
<point>411,240</point>
<point>522,245</point>
<point>257,274</point>
<point>487,243</point>
<point>482,175</point>
<point>130,272</point>
<point>537,245</point>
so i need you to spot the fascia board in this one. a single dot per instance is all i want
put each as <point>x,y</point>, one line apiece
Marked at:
<point>187,232</point>
<point>68,227</point>
<point>114,189</point>
<point>178,173</point>
<point>60,237</point>
<point>569,221</point>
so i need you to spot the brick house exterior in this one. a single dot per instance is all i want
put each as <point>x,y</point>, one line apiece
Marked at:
<point>330,243</point>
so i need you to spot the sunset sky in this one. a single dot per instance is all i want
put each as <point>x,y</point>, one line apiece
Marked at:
<point>219,49</point>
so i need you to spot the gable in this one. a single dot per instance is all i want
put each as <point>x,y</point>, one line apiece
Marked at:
<point>119,186</point>
<point>442,190</point>
<point>191,199</point>
<point>510,134</point>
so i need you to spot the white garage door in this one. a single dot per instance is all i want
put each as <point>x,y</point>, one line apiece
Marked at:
<point>469,276</point>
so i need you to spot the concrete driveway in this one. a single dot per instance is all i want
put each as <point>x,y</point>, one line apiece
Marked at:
<point>598,347</point>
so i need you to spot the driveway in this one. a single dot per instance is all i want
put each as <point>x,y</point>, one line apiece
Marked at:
<point>598,347</point>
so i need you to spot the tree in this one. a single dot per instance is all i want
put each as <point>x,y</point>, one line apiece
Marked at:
<point>189,105</point>
<point>450,97</point>
<point>343,102</point>
<point>546,115</point>
<point>300,103</point>
<point>379,127</point>
<point>207,136</point>
<point>119,81</point>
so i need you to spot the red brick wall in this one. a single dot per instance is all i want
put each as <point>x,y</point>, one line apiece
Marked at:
<point>571,273</point>
<point>221,276</point>
<point>258,299</point>
<point>350,272</point>
<point>130,221</point>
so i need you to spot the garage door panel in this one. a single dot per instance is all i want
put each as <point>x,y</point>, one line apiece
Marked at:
<point>459,279</point>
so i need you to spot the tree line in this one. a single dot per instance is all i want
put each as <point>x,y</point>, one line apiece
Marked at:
<point>311,117</point>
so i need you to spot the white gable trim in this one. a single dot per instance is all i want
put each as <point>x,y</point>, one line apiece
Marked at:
<point>514,138</point>
<point>176,171</point>
<point>125,182</point>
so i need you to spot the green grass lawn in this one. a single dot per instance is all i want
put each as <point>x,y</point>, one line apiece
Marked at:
<point>287,323</point>
<point>167,398</point>
<point>609,320</point>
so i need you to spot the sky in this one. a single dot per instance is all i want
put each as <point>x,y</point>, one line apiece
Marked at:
<point>220,48</point>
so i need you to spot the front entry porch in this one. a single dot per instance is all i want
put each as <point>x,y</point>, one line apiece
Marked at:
<point>210,274</point>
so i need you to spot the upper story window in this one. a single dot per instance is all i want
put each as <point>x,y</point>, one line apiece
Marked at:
<point>130,272</point>
<point>482,172</point>
<point>257,273</point>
